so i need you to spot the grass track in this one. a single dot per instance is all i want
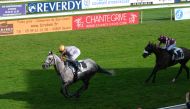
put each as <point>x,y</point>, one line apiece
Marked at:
<point>24,85</point>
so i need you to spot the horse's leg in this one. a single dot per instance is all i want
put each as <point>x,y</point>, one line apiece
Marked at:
<point>153,72</point>
<point>82,88</point>
<point>64,90</point>
<point>187,70</point>
<point>86,82</point>
<point>154,77</point>
<point>179,72</point>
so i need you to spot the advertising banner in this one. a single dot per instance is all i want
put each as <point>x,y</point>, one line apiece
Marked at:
<point>30,26</point>
<point>12,10</point>
<point>182,13</point>
<point>105,20</point>
<point>41,7</point>
<point>86,4</point>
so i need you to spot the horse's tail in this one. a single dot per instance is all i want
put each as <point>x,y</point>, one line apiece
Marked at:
<point>101,70</point>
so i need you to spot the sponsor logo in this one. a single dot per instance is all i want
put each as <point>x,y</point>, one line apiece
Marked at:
<point>179,14</point>
<point>40,7</point>
<point>79,23</point>
<point>6,29</point>
<point>105,20</point>
<point>32,8</point>
<point>87,3</point>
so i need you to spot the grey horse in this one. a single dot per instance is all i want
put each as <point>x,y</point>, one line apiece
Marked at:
<point>65,72</point>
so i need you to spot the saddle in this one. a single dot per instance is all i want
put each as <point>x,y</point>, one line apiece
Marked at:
<point>76,68</point>
<point>177,54</point>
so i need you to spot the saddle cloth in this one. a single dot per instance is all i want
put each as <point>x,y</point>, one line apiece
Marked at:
<point>180,54</point>
<point>81,65</point>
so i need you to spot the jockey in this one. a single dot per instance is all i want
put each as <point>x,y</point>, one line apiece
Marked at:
<point>169,44</point>
<point>70,53</point>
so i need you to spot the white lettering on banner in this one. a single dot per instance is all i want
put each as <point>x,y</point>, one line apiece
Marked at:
<point>45,7</point>
<point>132,18</point>
<point>69,4</point>
<point>54,6</point>
<point>64,6</point>
<point>78,4</point>
<point>57,7</point>
<point>106,18</point>
<point>39,9</point>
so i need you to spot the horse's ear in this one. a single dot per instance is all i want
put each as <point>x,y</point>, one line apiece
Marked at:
<point>50,53</point>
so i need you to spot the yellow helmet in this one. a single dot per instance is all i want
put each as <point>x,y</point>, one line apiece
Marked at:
<point>61,48</point>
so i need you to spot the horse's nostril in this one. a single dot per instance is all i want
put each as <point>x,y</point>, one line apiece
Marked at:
<point>144,55</point>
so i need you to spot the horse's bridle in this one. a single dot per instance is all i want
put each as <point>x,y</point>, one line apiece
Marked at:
<point>51,61</point>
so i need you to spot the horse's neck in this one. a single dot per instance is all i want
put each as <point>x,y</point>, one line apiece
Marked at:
<point>157,51</point>
<point>58,63</point>
<point>160,53</point>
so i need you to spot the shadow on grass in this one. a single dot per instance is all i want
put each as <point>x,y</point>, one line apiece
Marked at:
<point>125,90</point>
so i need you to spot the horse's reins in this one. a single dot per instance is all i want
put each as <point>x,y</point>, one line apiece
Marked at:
<point>51,61</point>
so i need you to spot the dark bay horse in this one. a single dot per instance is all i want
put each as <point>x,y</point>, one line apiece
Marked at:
<point>164,60</point>
<point>66,74</point>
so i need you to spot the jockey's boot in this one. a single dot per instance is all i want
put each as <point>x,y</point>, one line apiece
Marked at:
<point>75,65</point>
<point>179,54</point>
<point>175,54</point>
<point>172,52</point>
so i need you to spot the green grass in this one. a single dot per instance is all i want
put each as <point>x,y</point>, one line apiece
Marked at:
<point>24,85</point>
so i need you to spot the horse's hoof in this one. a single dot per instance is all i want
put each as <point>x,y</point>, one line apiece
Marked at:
<point>173,80</point>
<point>61,91</point>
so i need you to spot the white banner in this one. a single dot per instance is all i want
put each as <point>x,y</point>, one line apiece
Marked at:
<point>163,1</point>
<point>142,2</point>
<point>182,13</point>
<point>86,4</point>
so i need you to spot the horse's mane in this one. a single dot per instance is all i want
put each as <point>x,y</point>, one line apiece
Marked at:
<point>155,46</point>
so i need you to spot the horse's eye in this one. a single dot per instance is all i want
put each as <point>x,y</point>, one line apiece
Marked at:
<point>49,59</point>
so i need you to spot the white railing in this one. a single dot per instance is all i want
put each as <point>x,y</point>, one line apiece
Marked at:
<point>94,11</point>
<point>180,106</point>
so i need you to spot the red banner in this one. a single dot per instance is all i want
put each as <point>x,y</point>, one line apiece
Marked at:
<point>105,20</point>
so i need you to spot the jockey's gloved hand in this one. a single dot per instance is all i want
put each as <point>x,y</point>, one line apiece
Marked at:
<point>69,60</point>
